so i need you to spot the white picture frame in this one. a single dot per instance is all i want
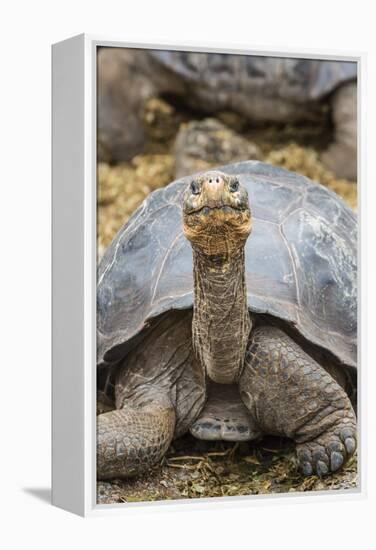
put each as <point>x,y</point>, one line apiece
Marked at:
<point>74,277</point>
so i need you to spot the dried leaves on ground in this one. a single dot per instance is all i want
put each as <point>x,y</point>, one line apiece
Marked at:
<point>200,469</point>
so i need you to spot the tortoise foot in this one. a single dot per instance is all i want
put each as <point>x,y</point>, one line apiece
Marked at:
<point>132,440</point>
<point>329,452</point>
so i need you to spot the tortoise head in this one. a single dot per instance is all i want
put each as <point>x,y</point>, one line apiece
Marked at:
<point>216,214</point>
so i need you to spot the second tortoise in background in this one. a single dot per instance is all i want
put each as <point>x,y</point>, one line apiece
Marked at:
<point>260,89</point>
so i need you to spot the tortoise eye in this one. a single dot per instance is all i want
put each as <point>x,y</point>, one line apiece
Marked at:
<point>234,186</point>
<point>195,188</point>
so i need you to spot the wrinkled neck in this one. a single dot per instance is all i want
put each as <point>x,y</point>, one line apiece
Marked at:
<point>221,322</point>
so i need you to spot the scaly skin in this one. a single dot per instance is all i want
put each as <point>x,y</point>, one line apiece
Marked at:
<point>130,441</point>
<point>217,323</point>
<point>217,222</point>
<point>291,395</point>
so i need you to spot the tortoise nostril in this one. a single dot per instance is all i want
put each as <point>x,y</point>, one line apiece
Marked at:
<point>217,180</point>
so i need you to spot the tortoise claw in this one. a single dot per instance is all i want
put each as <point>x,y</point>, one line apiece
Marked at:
<point>350,445</point>
<point>336,461</point>
<point>321,468</point>
<point>307,469</point>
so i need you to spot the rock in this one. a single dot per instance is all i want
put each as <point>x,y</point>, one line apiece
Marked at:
<point>122,89</point>
<point>341,155</point>
<point>207,143</point>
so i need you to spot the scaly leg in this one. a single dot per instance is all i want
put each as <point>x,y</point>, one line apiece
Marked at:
<point>289,394</point>
<point>131,440</point>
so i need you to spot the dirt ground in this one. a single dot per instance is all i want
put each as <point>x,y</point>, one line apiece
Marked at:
<point>195,469</point>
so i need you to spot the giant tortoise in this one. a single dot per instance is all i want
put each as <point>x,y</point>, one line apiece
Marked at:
<point>227,308</point>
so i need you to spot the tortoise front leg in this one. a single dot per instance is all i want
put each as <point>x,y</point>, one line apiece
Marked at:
<point>291,395</point>
<point>131,440</point>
